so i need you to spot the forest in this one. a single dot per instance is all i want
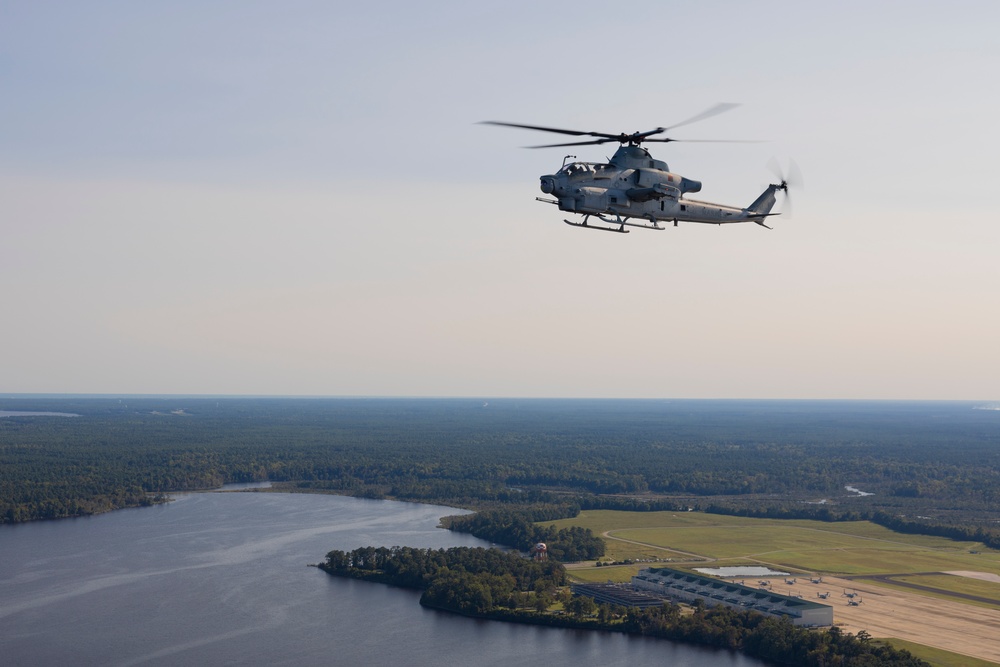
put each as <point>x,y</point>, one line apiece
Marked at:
<point>488,583</point>
<point>517,528</point>
<point>924,466</point>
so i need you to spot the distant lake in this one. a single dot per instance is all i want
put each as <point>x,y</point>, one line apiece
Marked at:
<point>19,413</point>
<point>222,578</point>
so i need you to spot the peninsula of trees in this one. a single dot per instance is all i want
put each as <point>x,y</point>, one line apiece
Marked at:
<point>489,583</point>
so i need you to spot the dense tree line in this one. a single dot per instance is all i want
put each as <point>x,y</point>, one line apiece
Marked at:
<point>902,524</point>
<point>517,528</point>
<point>506,586</point>
<point>918,459</point>
<point>766,637</point>
<point>467,580</point>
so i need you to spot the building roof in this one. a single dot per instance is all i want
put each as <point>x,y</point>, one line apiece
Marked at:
<point>727,591</point>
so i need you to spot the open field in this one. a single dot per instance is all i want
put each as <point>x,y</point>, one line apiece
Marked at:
<point>937,657</point>
<point>940,618</point>
<point>949,582</point>
<point>848,548</point>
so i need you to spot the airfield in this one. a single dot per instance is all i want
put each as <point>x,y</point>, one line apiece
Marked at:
<point>890,613</point>
<point>922,590</point>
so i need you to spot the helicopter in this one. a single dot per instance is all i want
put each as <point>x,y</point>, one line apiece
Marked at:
<point>636,189</point>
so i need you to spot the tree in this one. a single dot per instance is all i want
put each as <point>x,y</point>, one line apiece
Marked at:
<point>581,605</point>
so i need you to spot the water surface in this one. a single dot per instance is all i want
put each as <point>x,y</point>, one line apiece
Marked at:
<point>26,413</point>
<point>222,578</point>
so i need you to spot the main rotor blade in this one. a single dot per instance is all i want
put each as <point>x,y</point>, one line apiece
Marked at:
<point>711,141</point>
<point>664,141</point>
<point>574,143</point>
<point>721,107</point>
<point>633,139</point>
<point>575,133</point>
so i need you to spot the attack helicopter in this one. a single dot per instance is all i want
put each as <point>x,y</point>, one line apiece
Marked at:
<point>636,189</point>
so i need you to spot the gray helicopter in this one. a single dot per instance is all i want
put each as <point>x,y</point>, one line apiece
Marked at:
<point>634,187</point>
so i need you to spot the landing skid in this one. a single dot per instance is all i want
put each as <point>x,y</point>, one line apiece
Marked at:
<point>618,221</point>
<point>620,230</point>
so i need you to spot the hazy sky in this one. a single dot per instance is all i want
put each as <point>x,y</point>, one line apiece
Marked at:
<point>296,198</point>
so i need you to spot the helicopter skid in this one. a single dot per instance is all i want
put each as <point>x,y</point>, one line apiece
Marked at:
<point>584,225</point>
<point>621,224</point>
<point>640,225</point>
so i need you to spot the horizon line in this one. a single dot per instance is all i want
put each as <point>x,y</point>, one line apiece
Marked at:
<point>484,397</point>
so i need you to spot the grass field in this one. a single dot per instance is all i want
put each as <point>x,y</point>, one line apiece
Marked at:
<point>937,657</point>
<point>849,548</point>
<point>598,575</point>
<point>948,582</point>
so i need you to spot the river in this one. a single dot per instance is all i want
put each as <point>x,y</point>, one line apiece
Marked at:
<point>222,578</point>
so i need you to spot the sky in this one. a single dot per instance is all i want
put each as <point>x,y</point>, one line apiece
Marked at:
<point>298,198</point>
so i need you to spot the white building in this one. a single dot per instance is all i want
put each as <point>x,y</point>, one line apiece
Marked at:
<point>688,587</point>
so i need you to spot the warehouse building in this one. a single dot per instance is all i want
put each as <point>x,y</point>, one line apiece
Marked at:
<point>625,595</point>
<point>687,587</point>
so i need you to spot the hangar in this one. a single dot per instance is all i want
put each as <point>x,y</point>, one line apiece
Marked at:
<point>687,587</point>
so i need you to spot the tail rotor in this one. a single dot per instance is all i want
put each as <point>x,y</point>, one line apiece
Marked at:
<point>790,177</point>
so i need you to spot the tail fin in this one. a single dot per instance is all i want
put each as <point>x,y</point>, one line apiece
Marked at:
<point>765,202</point>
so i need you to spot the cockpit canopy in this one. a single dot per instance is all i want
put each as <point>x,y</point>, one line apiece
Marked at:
<point>581,169</point>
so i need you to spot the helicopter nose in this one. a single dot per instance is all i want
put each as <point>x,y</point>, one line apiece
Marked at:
<point>548,184</point>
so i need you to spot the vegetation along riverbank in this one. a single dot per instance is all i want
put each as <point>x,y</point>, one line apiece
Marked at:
<point>505,586</point>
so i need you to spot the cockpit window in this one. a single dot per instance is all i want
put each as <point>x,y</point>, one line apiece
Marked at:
<point>579,169</point>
